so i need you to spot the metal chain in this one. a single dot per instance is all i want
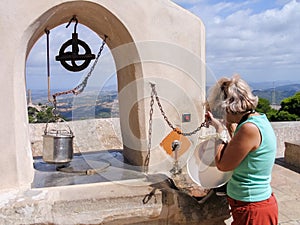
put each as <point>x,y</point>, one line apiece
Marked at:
<point>80,88</point>
<point>204,124</point>
<point>154,95</point>
<point>147,159</point>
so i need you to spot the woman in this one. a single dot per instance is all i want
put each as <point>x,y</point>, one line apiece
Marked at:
<point>250,153</point>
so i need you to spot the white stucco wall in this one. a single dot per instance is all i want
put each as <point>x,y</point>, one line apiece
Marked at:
<point>134,21</point>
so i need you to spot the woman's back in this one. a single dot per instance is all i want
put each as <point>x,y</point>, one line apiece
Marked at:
<point>250,181</point>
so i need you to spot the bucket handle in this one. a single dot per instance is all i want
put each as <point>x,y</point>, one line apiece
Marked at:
<point>58,120</point>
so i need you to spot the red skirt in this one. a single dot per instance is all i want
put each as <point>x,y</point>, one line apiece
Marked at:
<point>254,213</point>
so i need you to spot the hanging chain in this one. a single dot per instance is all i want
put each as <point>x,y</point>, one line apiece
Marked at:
<point>147,159</point>
<point>155,96</point>
<point>204,124</point>
<point>80,88</point>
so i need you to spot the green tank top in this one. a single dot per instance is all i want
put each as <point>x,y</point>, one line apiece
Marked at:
<point>250,181</point>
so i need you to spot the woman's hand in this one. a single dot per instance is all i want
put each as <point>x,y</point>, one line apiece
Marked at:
<point>211,120</point>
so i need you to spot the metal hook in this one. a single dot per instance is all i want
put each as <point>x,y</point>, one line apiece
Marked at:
<point>76,22</point>
<point>147,197</point>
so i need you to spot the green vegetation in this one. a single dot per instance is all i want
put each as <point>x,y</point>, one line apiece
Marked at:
<point>289,109</point>
<point>40,114</point>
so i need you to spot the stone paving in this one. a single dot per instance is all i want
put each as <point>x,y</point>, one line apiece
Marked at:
<point>285,181</point>
<point>286,187</point>
<point>285,184</point>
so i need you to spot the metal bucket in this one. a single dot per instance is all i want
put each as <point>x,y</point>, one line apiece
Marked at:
<point>57,145</point>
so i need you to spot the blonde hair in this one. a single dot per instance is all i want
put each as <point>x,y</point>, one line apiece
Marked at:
<point>232,95</point>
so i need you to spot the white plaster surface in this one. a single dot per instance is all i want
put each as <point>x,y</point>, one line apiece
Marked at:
<point>23,22</point>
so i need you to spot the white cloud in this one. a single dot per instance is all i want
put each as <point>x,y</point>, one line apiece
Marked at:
<point>36,65</point>
<point>256,38</point>
<point>251,42</point>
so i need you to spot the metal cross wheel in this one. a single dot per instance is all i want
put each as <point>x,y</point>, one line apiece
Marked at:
<point>69,59</point>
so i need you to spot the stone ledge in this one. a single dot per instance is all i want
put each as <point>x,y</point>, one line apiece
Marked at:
<point>90,135</point>
<point>78,204</point>
<point>111,203</point>
<point>292,153</point>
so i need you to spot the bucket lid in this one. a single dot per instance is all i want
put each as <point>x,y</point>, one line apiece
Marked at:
<point>202,169</point>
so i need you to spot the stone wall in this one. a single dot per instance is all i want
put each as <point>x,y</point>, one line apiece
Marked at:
<point>110,204</point>
<point>285,132</point>
<point>105,134</point>
<point>292,153</point>
<point>86,204</point>
<point>90,135</point>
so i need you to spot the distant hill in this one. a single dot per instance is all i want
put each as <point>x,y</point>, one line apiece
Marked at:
<point>271,84</point>
<point>98,98</point>
<point>276,94</point>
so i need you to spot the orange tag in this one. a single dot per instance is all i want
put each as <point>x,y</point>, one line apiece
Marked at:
<point>166,143</point>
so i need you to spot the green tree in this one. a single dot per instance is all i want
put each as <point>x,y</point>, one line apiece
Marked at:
<point>291,104</point>
<point>45,115</point>
<point>32,112</point>
<point>263,106</point>
<point>41,114</point>
<point>289,110</point>
<point>283,116</point>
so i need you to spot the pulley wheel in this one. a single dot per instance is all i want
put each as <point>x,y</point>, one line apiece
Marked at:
<point>73,57</point>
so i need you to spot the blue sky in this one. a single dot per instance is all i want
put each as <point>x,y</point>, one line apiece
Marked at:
<point>258,39</point>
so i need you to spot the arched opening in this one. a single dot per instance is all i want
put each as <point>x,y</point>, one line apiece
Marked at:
<point>103,22</point>
<point>97,100</point>
<point>133,71</point>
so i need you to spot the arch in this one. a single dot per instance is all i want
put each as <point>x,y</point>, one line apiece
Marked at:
<point>24,22</point>
<point>104,22</point>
